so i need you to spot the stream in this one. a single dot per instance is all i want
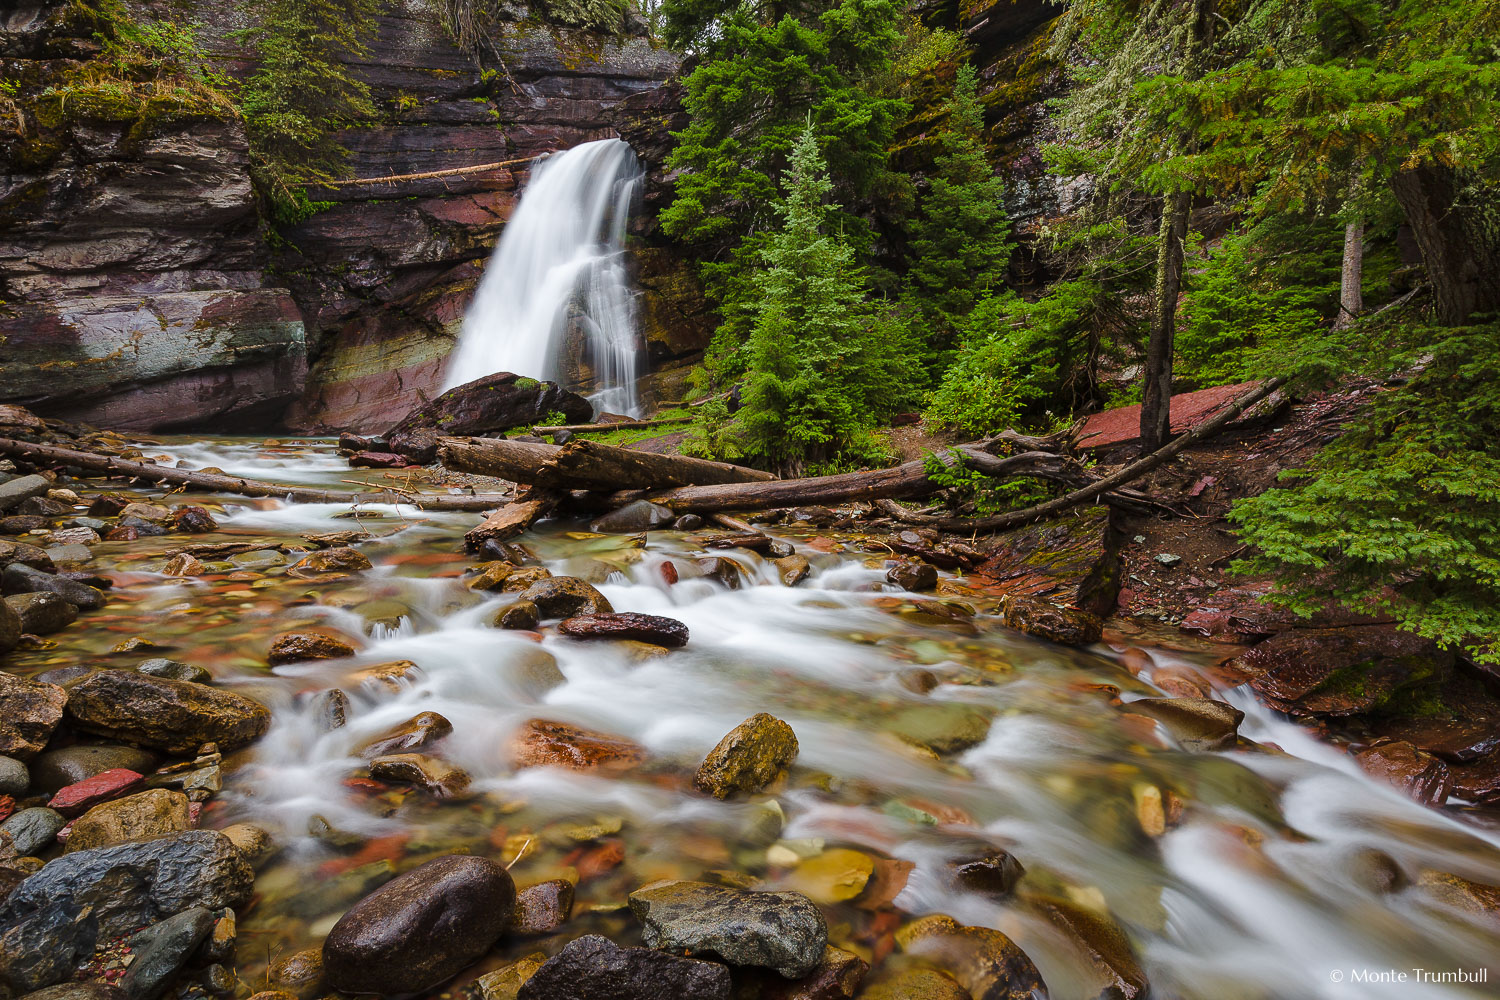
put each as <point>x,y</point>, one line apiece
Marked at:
<point>1274,882</point>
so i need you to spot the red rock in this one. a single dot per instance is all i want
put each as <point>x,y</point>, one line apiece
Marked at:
<point>7,806</point>
<point>1339,671</point>
<point>669,572</point>
<point>1417,773</point>
<point>541,743</point>
<point>627,625</point>
<point>83,795</point>
<point>122,535</point>
<point>1122,425</point>
<point>377,460</point>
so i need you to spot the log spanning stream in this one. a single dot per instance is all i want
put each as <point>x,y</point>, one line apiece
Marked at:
<point>1272,871</point>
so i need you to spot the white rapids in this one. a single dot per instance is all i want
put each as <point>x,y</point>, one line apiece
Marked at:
<point>561,263</point>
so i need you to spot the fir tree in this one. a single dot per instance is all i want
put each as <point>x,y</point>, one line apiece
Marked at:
<point>961,241</point>
<point>823,364</point>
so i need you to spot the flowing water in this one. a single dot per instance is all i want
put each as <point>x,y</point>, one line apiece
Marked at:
<point>1261,890</point>
<point>560,268</point>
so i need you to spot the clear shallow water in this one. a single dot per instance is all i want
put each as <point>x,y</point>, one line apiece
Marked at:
<point>1255,893</point>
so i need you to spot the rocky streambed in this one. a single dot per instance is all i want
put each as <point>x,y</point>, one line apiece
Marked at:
<point>252,748</point>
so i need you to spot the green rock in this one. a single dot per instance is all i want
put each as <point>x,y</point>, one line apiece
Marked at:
<point>753,755</point>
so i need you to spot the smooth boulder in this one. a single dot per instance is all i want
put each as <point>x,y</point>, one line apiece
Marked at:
<point>146,814</point>
<point>641,515</point>
<point>420,928</point>
<point>42,613</point>
<point>749,758</point>
<point>1198,724</point>
<point>565,597</point>
<point>176,716</point>
<point>21,579</point>
<point>781,931</point>
<point>57,769</point>
<point>654,629</point>
<point>495,402</point>
<point>1064,626</point>
<point>595,968</point>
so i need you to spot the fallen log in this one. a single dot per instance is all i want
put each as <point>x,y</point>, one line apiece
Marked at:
<point>514,518</point>
<point>120,468</point>
<point>587,465</point>
<point>618,425</point>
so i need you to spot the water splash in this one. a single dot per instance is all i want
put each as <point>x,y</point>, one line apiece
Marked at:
<point>560,266</point>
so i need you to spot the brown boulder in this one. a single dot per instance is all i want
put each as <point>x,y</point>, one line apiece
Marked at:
<point>1339,671</point>
<point>985,962</point>
<point>543,908</point>
<point>433,775</point>
<point>1417,773</point>
<point>177,716</point>
<point>1197,723</point>
<point>541,743</point>
<point>294,647</point>
<point>1065,626</point>
<point>135,817</point>
<point>654,629</point>
<point>335,560</point>
<point>750,757</point>
<point>566,596</point>
<point>29,711</point>
<point>416,733</point>
<point>1105,944</point>
<point>912,575</point>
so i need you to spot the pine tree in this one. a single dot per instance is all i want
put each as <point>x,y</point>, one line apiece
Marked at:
<point>823,364</point>
<point>961,241</point>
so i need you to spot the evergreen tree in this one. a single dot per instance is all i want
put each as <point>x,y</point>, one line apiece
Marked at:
<point>961,241</point>
<point>823,365</point>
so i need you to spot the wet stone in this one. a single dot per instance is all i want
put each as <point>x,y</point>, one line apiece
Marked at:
<point>174,670</point>
<point>415,733</point>
<point>420,928</point>
<point>642,515</point>
<point>31,830</point>
<point>71,800</point>
<point>912,576</point>
<point>984,961</point>
<point>941,727</point>
<point>654,629</point>
<point>14,778</point>
<point>14,492</point>
<point>543,908</point>
<point>10,627</point>
<point>42,614</point>
<point>593,967</point>
<point>335,560</point>
<point>29,712</point>
<point>1065,626</point>
<point>522,615</point>
<point>300,973</point>
<point>1198,724</point>
<point>566,596</point>
<point>543,743</point>
<point>147,814</point>
<point>79,991</point>
<point>993,874</point>
<point>433,775</point>
<point>792,569</point>
<point>1105,944</point>
<point>176,716</point>
<point>161,951</point>
<point>331,709</point>
<point>72,536</point>
<point>749,758</point>
<point>722,571</point>
<point>184,564</point>
<point>837,977</point>
<point>915,984</point>
<point>57,769</point>
<point>781,931</point>
<point>21,579</point>
<point>253,843</point>
<point>20,524</point>
<point>296,647</point>
<point>506,983</point>
<point>1419,774</point>
<point>23,554</point>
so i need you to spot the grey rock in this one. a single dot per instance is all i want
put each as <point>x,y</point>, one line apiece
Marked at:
<point>421,928</point>
<point>132,884</point>
<point>59,768</point>
<point>29,712</point>
<point>174,670</point>
<point>14,778</point>
<point>42,614</point>
<point>47,948</point>
<point>594,968</point>
<point>566,596</point>
<point>78,991</point>
<point>1168,558</point>
<point>24,488</point>
<point>70,554</point>
<point>31,830</point>
<point>22,579</point>
<point>10,627</point>
<point>642,515</point>
<point>161,951</point>
<point>782,931</point>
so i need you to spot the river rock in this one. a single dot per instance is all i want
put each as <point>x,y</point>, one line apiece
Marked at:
<point>1105,944</point>
<point>31,830</point>
<point>135,817</point>
<point>21,579</point>
<point>72,536</point>
<point>300,973</point>
<point>522,615</point>
<point>654,629</point>
<point>912,575</point>
<point>393,675</point>
<point>174,670</point>
<point>1065,626</point>
<point>542,743</point>
<point>14,778</point>
<point>1417,773</point>
<point>20,524</point>
<point>254,844</point>
<point>69,555</point>
<point>161,950</point>
<point>295,647</point>
<point>837,977</point>
<point>46,948</point>
<point>331,709</point>
<point>184,564</point>
<point>993,873</point>
<point>10,627</point>
<point>419,731</point>
<point>433,775</point>
<point>420,928</point>
<point>193,520</point>
<point>566,596</point>
<point>57,769</point>
<point>337,560</point>
<point>781,931</point>
<point>941,727</point>
<point>724,571</point>
<point>24,488</point>
<point>1198,724</point>
<point>593,968</point>
<point>915,984</point>
<point>29,712</point>
<point>642,515</point>
<point>750,757</point>
<point>42,614</point>
<point>152,512</point>
<point>496,402</point>
<point>20,553</point>
<point>792,569</point>
<point>536,672</point>
<point>543,908</point>
<point>79,991</point>
<point>77,798</point>
<point>984,961</point>
<point>176,716</point>
<point>506,983</point>
<point>1339,671</point>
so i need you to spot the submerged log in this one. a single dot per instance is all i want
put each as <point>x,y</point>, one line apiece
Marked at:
<point>587,465</point>
<point>120,468</point>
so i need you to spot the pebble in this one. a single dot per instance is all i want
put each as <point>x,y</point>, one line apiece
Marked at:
<point>14,778</point>
<point>32,830</point>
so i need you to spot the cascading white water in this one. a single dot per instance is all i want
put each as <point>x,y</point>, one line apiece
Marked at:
<point>561,262</point>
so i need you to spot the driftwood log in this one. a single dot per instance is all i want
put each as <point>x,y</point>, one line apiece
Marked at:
<point>120,468</point>
<point>618,425</point>
<point>587,465</point>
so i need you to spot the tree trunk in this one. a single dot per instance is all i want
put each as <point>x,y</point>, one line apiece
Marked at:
<point>587,465</point>
<point>1458,230</point>
<point>1351,296</point>
<point>1156,401</point>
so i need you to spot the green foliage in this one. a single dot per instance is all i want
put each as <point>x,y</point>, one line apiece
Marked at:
<point>960,243</point>
<point>987,495</point>
<point>823,365</point>
<point>1401,515</point>
<point>302,94</point>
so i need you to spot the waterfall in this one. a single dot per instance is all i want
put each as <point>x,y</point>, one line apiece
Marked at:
<point>559,268</point>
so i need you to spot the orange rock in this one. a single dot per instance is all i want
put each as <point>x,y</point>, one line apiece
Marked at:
<point>542,743</point>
